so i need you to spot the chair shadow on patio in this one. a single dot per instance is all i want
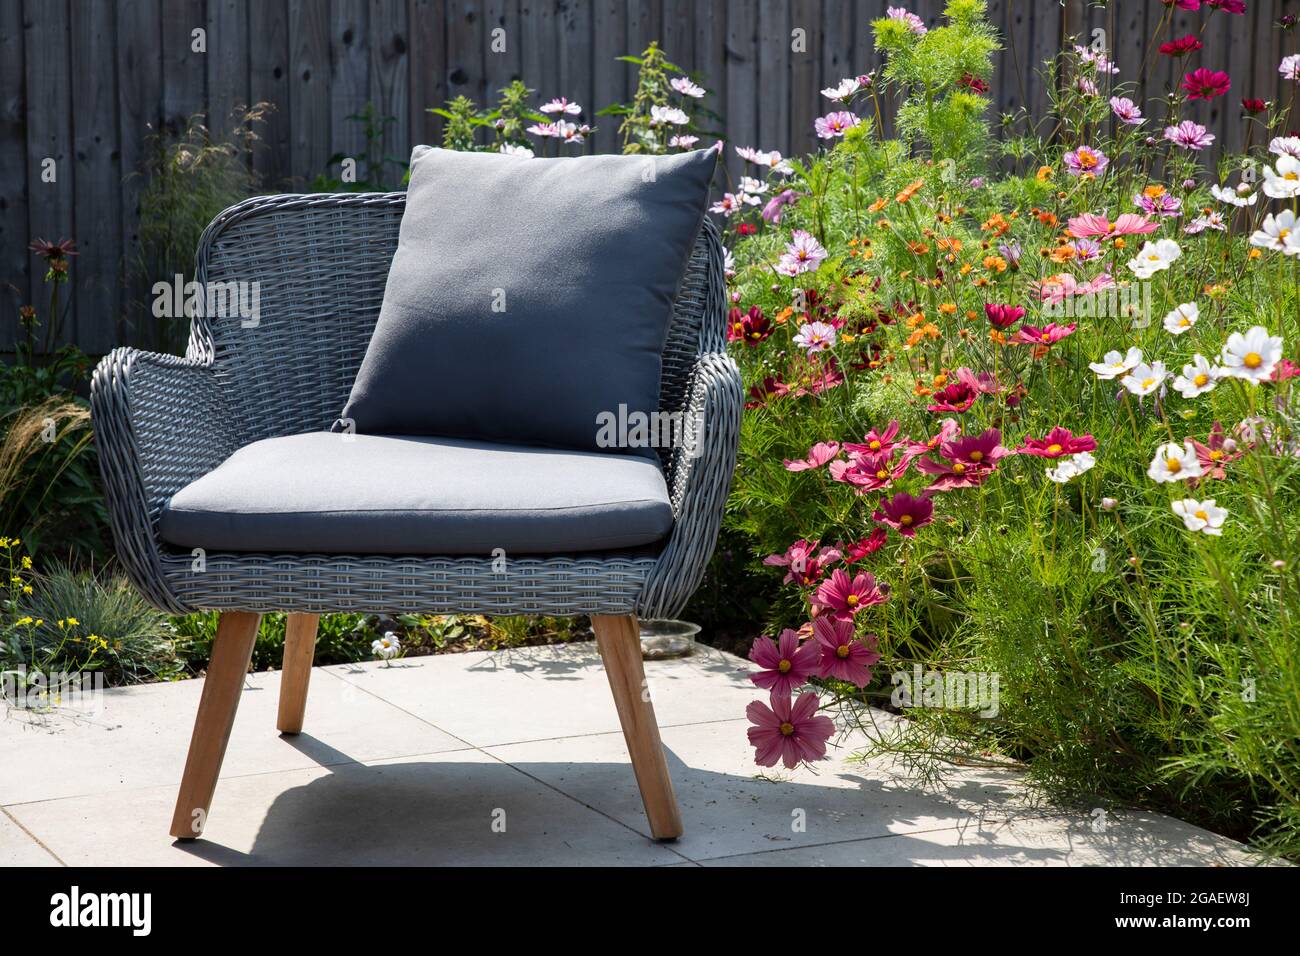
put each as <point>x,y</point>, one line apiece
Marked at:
<point>472,809</point>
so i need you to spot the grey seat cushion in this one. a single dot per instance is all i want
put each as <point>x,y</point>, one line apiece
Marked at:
<point>373,494</point>
<point>528,296</point>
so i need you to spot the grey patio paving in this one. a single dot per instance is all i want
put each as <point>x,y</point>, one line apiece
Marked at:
<point>516,758</point>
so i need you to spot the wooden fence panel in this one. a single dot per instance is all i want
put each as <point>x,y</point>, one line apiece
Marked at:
<point>82,83</point>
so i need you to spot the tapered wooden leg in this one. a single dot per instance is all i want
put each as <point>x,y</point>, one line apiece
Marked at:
<point>619,640</point>
<point>231,653</point>
<point>299,648</point>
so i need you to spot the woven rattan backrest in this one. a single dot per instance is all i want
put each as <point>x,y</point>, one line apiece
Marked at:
<point>320,263</point>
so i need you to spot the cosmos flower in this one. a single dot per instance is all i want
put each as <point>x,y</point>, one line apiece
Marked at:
<point>1058,443</point>
<point>1154,257</point>
<point>815,337</point>
<point>876,442</point>
<point>1198,377</point>
<point>1113,364</point>
<point>967,461</point>
<point>1240,196</point>
<point>1049,334</point>
<point>1128,224</point>
<point>802,254</point>
<point>1189,135</point>
<point>1182,318</point>
<point>1251,356</point>
<point>804,564</point>
<point>687,87</point>
<point>904,513</point>
<point>911,20</point>
<point>749,327</point>
<point>788,732</point>
<point>1174,462</point>
<point>1143,379</point>
<point>509,149</point>
<point>1206,84</point>
<point>1085,160</point>
<point>844,596</point>
<point>1126,110</point>
<point>784,665</point>
<point>842,90</point>
<point>1003,316</point>
<point>660,115</point>
<point>818,455</point>
<point>842,656</point>
<point>1071,468</point>
<point>1282,180</point>
<point>955,397</point>
<point>1203,516</point>
<point>1277,232</point>
<point>775,207</point>
<point>835,124</point>
<point>561,106</point>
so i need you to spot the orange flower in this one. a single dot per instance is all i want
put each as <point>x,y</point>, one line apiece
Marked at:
<point>995,263</point>
<point>948,308</point>
<point>998,337</point>
<point>918,248</point>
<point>1044,173</point>
<point>883,224</point>
<point>878,205</point>
<point>909,191</point>
<point>972,314</point>
<point>966,268</point>
<point>1048,219</point>
<point>948,244</point>
<point>1154,192</point>
<point>1062,253</point>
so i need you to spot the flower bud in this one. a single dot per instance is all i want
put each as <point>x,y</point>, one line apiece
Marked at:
<point>1109,504</point>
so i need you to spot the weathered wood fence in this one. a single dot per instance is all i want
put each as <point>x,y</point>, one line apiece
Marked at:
<point>83,81</point>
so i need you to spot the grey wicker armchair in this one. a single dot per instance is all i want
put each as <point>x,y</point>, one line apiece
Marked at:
<point>162,422</point>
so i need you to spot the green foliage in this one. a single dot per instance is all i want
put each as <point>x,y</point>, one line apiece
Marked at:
<point>340,639</point>
<point>369,171</point>
<point>503,126</point>
<point>640,130</point>
<point>189,177</point>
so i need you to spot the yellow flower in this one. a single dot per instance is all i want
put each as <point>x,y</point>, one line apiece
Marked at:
<point>1044,173</point>
<point>27,561</point>
<point>27,589</point>
<point>73,622</point>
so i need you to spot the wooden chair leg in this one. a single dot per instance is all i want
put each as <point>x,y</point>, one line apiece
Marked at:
<point>619,640</point>
<point>232,650</point>
<point>299,649</point>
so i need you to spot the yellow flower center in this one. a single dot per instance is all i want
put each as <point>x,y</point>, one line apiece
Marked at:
<point>1202,515</point>
<point>882,474</point>
<point>738,327</point>
<point>1184,322</point>
<point>875,445</point>
<point>784,666</point>
<point>1055,449</point>
<point>842,651</point>
<point>851,600</point>
<point>1291,176</point>
<point>787,728</point>
<point>1200,379</point>
<point>977,455</point>
<point>1148,382</point>
<point>1174,465</point>
<point>959,468</point>
<point>1253,360</point>
<point>1283,233</point>
<point>1216,454</point>
<point>905,520</point>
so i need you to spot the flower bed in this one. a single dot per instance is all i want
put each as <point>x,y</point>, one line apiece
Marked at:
<point>1020,435</point>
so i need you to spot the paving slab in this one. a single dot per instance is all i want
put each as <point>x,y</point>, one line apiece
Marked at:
<point>19,848</point>
<point>539,693</point>
<point>142,733</point>
<point>450,808</point>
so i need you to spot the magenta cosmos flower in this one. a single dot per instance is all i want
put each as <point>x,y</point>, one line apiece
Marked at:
<point>789,732</point>
<point>843,657</point>
<point>749,327</point>
<point>1058,443</point>
<point>818,455</point>
<point>1086,161</point>
<point>948,430</point>
<point>1206,84</point>
<point>855,551</point>
<point>1003,316</point>
<point>775,207</point>
<point>1128,224</point>
<point>844,596</point>
<point>1189,135</point>
<point>785,665</point>
<point>957,397</point>
<point>875,442</point>
<point>967,461</point>
<point>804,563</point>
<point>905,514</point>
<point>1049,334</point>
<point>870,472</point>
<point>1126,110</point>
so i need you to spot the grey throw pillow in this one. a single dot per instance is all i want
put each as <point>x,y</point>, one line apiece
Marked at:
<point>528,296</point>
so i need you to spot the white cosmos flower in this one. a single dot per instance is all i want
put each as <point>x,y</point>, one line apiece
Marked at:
<point>1144,379</point>
<point>751,186</point>
<point>1174,462</point>
<point>1154,257</point>
<point>1284,182</point>
<point>511,150</point>
<point>1285,146</point>
<point>1241,196</point>
<point>685,86</point>
<point>668,114</point>
<point>1197,378</point>
<point>1251,356</point>
<point>1201,515</point>
<point>1113,364</point>
<point>1182,318</point>
<point>843,90</point>
<point>1275,231</point>
<point>1071,467</point>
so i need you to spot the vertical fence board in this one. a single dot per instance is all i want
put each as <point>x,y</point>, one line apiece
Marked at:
<point>48,73</point>
<point>609,75</point>
<point>309,95</point>
<point>268,82</point>
<point>742,82</point>
<point>806,101</point>
<point>575,26</point>
<point>428,55</point>
<point>390,79</point>
<point>349,79</point>
<point>227,62</point>
<point>15,281</point>
<point>465,45</point>
<point>184,70</point>
<point>501,59</point>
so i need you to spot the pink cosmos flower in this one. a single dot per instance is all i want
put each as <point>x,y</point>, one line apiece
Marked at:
<point>815,337</point>
<point>1161,205</point>
<point>775,207</point>
<point>802,254</point>
<point>785,665</point>
<point>1237,7</point>
<point>869,472</point>
<point>788,732</point>
<point>968,461</point>
<point>844,596</point>
<point>875,442</point>
<point>804,563</point>
<point>1058,443</point>
<point>913,22</point>
<point>1126,110</point>
<point>948,430</point>
<point>1003,316</point>
<point>818,455</point>
<point>1128,224</point>
<point>986,383</point>
<point>562,106</point>
<point>1189,135</point>
<point>1049,334</point>
<point>835,124</point>
<point>905,514</point>
<point>955,397</point>
<point>1056,289</point>
<point>1085,161</point>
<point>1214,453</point>
<point>857,550</point>
<point>843,657</point>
